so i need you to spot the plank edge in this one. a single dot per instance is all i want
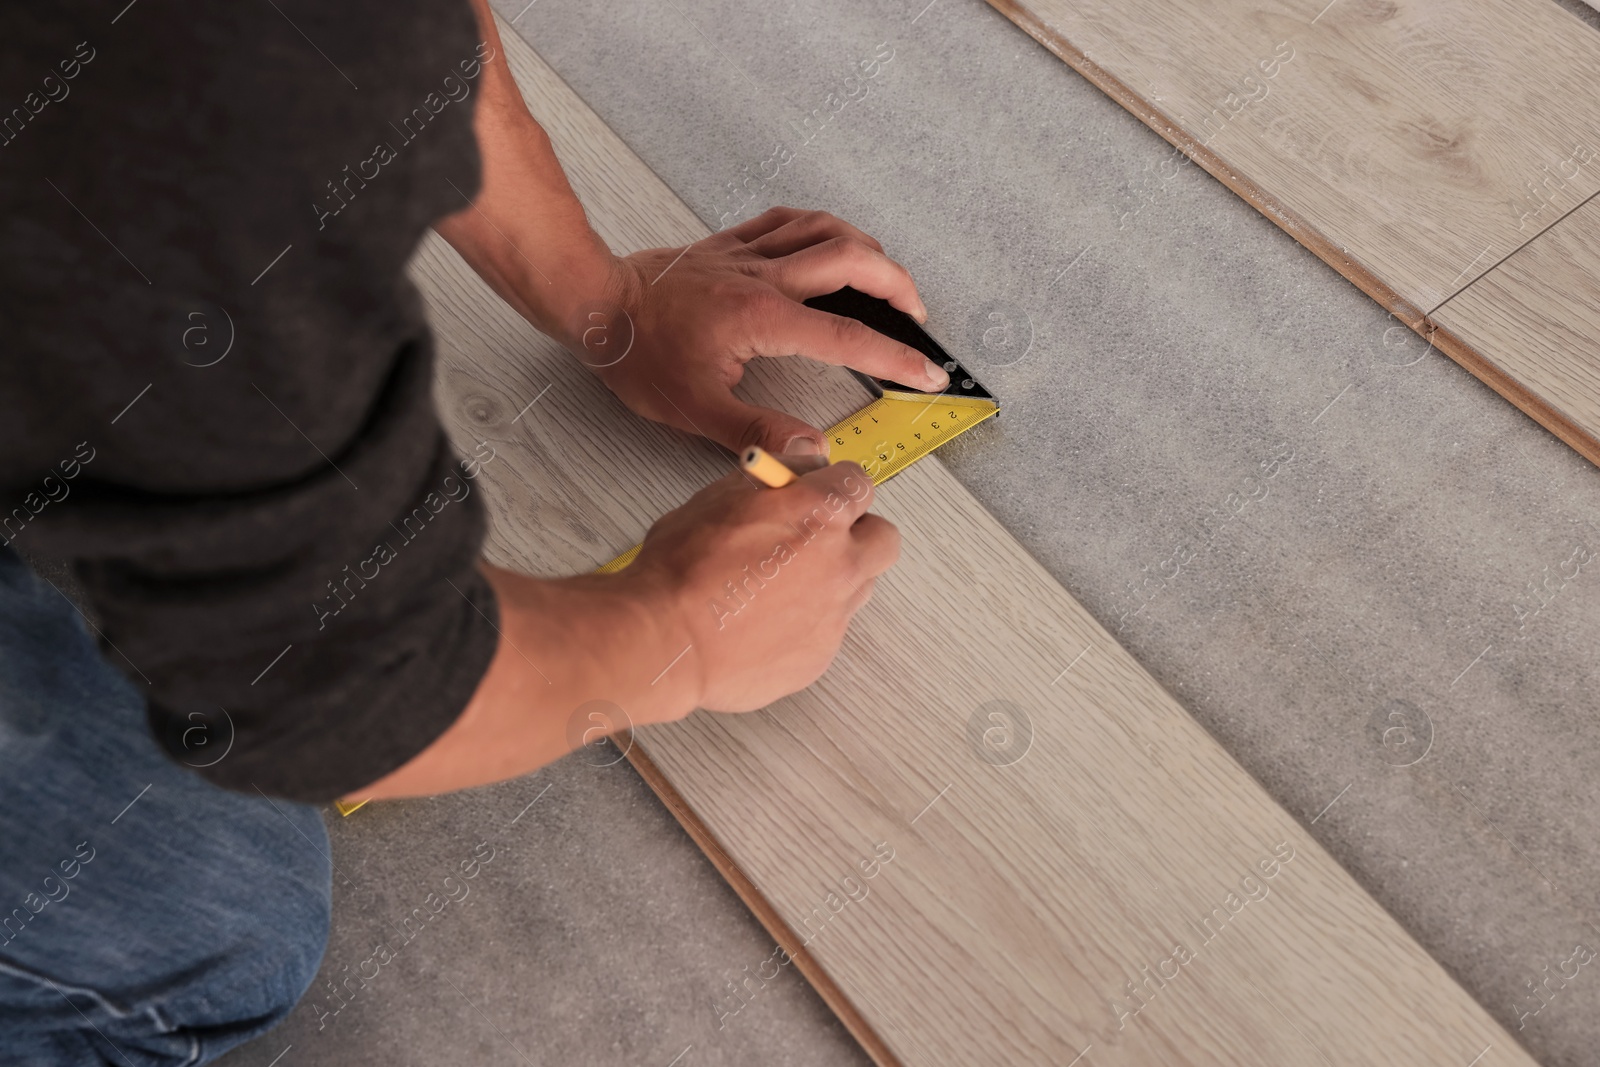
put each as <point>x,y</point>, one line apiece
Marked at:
<point>833,996</point>
<point>1529,403</point>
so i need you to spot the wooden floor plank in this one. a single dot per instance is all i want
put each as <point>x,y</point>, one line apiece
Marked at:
<point>959,902</point>
<point>1426,138</point>
<point>1411,144</point>
<point>1535,321</point>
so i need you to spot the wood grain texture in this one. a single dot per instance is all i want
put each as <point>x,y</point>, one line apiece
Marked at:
<point>1535,320</point>
<point>1404,131</point>
<point>1411,144</point>
<point>792,944</point>
<point>954,907</point>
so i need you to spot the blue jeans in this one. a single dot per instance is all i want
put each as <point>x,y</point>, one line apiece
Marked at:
<point>147,918</point>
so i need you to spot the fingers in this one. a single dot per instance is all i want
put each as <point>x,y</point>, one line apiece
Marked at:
<point>764,223</point>
<point>735,425</point>
<point>803,463</point>
<point>831,501</point>
<point>805,229</point>
<point>794,328</point>
<point>841,261</point>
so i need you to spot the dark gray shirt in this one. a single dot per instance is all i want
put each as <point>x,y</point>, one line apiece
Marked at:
<point>216,397</point>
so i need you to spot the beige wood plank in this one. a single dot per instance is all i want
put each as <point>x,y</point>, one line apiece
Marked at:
<point>1414,143</point>
<point>954,909</point>
<point>1534,321</point>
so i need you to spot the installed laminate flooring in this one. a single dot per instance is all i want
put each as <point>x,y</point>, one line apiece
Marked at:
<point>1535,319</point>
<point>1412,144</point>
<point>967,903</point>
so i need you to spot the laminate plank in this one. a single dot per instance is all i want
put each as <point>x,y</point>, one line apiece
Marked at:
<point>1404,132</point>
<point>1411,144</point>
<point>1534,321</point>
<point>957,902</point>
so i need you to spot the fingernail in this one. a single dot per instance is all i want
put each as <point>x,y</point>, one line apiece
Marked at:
<point>921,314</point>
<point>937,378</point>
<point>803,446</point>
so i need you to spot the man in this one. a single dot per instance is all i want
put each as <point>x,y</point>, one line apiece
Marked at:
<point>217,409</point>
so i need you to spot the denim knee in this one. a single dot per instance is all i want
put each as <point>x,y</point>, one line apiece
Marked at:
<point>230,961</point>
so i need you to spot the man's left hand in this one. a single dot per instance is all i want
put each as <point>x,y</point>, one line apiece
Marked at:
<point>673,338</point>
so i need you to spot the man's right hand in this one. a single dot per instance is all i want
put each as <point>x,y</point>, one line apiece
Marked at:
<point>767,580</point>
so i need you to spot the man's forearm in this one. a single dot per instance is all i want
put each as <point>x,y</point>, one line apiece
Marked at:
<point>566,642</point>
<point>563,644</point>
<point>526,233</point>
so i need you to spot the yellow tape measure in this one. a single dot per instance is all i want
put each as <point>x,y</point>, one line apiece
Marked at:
<point>894,431</point>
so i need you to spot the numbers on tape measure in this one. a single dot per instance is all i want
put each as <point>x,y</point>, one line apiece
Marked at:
<point>900,433</point>
<point>906,439</point>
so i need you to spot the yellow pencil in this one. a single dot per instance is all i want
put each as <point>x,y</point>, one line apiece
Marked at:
<point>765,467</point>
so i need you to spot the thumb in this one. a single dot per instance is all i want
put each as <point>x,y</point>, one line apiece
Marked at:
<point>736,425</point>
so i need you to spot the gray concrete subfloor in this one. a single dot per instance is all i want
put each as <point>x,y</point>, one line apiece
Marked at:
<point>1156,341</point>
